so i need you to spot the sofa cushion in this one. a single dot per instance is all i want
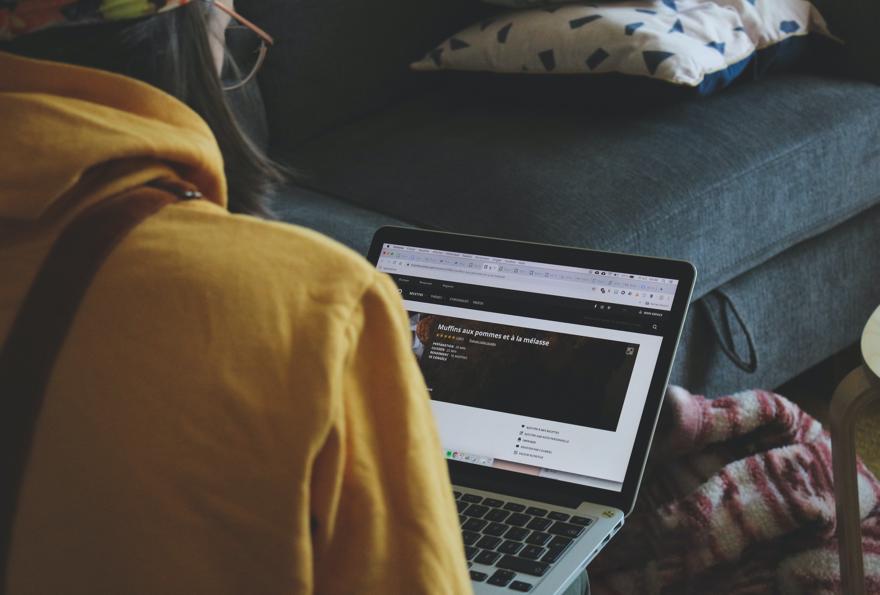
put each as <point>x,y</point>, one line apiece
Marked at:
<point>726,182</point>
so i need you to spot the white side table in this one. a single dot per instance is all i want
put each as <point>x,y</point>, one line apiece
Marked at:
<point>858,390</point>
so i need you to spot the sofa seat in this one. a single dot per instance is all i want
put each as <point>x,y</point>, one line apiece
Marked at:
<point>727,182</point>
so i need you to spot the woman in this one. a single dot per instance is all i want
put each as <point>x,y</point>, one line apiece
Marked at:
<point>235,407</point>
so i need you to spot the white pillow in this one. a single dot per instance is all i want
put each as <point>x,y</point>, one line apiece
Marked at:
<point>685,42</point>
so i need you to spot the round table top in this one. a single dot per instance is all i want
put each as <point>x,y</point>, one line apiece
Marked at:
<point>871,342</point>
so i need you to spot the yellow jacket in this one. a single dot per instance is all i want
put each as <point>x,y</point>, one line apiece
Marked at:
<point>236,408</point>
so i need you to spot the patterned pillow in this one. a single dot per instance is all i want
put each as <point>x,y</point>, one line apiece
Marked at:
<point>703,44</point>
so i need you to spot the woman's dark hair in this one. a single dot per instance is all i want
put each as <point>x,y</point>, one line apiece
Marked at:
<point>170,51</point>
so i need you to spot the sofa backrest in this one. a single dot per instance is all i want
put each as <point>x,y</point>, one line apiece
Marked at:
<point>337,59</point>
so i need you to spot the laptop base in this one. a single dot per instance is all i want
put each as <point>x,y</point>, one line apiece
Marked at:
<point>521,545</point>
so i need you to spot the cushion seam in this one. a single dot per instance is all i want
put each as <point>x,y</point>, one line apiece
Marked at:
<point>700,197</point>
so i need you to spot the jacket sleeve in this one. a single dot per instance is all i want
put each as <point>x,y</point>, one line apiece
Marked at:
<point>384,520</point>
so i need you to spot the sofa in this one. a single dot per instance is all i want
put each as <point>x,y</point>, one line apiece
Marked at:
<point>771,187</point>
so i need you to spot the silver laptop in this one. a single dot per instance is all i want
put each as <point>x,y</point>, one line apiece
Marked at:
<point>546,368</point>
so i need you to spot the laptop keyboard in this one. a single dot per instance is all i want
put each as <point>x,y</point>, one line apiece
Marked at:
<point>520,542</point>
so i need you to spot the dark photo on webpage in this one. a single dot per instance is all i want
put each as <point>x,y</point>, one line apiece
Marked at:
<point>541,374</point>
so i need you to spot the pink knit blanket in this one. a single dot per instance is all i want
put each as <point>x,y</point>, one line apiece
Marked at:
<point>737,498</point>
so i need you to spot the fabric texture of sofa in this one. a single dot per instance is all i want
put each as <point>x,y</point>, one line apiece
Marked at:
<point>772,187</point>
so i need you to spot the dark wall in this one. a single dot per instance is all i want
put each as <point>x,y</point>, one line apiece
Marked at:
<point>857,22</point>
<point>337,59</point>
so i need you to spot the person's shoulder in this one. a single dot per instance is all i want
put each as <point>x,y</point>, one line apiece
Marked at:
<point>265,258</point>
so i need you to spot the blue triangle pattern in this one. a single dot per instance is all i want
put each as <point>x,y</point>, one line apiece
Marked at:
<point>671,4</point>
<point>715,45</point>
<point>596,58</point>
<point>631,28</point>
<point>457,44</point>
<point>548,60</point>
<point>653,59</point>
<point>437,56</point>
<point>677,27</point>
<point>646,11</point>
<point>503,32</point>
<point>578,23</point>
<point>789,26</point>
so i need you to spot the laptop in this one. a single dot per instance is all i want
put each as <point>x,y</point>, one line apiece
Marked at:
<point>546,368</point>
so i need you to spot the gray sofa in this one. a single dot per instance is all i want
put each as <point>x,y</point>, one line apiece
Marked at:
<point>772,188</point>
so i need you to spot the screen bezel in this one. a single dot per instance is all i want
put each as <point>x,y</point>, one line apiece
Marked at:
<point>551,489</point>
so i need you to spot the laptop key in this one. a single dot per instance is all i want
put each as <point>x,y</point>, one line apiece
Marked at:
<point>536,524</point>
<point>579,520</point>
<point>524,565</point>
<point>488,542</point>
<point>559,541</point>
<point>553,554</point>
<point>469,552</point>
<point>532,552</point>
<point>557,516</point>
<point>472,524</point>
<point>486,557</point>
<point>510,547</point>
<point>516,533</point>
<point>497,515</point>
<point>514,507</point>
<point>492,502</point>
<point>517,519</point>
<point>469,537</point>
<point>478,577</point>
<point>476,510</point>
<point>471,498</point>
<point>456,494</point>
<point>534,511</point>
<point>501,578</point>
<point>565,529</point>
<point>461,505</point>
<point>538,538</point>
<point>495,529</point>
<point>520,586</point>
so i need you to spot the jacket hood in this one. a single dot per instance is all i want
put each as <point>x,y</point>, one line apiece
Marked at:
<point>63,122</point>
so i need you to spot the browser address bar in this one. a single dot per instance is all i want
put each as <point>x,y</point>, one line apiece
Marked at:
<point>467,271</point>
<point>470,266</point>
<point>522,276</point>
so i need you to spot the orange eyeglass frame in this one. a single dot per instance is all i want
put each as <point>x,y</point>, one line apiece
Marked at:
<point>267,40</point>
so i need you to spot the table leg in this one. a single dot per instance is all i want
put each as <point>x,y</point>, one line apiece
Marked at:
<point>852,395</point>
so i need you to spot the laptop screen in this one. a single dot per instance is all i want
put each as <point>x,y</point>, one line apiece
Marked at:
<point>532,367</point>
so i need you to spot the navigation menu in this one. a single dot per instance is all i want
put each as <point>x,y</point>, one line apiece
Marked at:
<point>520,303</point>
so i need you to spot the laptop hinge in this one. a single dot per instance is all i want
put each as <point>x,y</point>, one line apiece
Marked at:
<point>557,497</point>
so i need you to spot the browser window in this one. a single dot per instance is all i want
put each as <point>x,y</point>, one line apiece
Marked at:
<point>532,366</point>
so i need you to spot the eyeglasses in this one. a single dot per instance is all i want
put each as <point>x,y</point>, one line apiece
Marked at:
<point>246,47</point>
